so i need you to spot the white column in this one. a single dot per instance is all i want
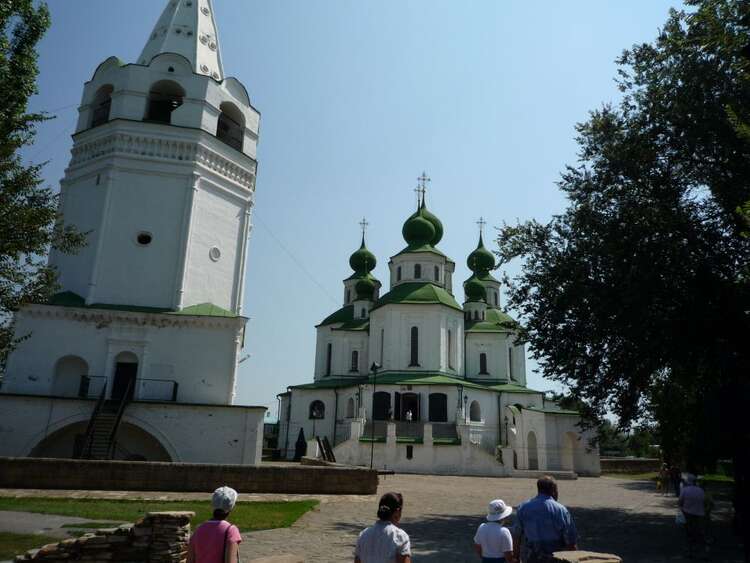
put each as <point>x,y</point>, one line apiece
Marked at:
<point>188,216</point>
<point>93,280</point>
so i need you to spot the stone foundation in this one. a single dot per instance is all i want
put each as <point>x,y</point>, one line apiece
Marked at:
<point>158,537</point>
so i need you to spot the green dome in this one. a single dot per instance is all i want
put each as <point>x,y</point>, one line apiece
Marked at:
<point>474,290</point>
<point>362,261</point>
<point>481,259</point>
<point>435,223</point>
<point>418,230</point>
<point>365,288</point>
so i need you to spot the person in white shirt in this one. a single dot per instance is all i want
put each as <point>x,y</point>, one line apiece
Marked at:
<point>692,503</point>
<point>493,542</point>
<point>385,542</point>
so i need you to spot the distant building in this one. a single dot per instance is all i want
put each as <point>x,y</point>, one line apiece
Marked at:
<point>450,393</point>
<point>136,357</point>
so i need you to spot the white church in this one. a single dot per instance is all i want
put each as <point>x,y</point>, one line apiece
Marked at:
<point>411,381</point>
<point>136,358</point>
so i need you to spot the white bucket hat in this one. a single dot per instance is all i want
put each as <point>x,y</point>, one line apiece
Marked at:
<point>224,499</point>
<point>497,510</point>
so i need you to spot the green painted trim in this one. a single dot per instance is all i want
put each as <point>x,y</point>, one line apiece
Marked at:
<point>552,411</point>
<point>408,440</point>
<point>378,440</point>
<point>446,441</point>
<point>70,299</point>
<point>346,313</point>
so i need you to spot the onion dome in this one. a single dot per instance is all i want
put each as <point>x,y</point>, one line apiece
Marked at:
<point>362,261</point>
<point>474,290</point>
<point>365,288</point>
<point>418,230</point>
<point>435,223</point>
<point>481,260</point>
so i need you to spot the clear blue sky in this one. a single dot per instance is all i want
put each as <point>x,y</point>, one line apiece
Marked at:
<point>357,99</point>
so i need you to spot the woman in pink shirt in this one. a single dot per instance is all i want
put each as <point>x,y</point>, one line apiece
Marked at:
<point>217,541</point>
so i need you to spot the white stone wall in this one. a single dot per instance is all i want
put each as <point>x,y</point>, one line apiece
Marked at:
<point>189,433</point>
<point>433,322</point>
<point>343,343</point>
<point>200,353</point>
<point>428,261</point>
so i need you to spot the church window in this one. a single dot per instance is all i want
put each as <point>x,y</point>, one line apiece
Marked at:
<point>101,106</point>
<point>144,238</point>
<point>398,273</point>
<point>355,361</point>
<point>476,315</point>
<point>414,357</point>
<point>510,362</point>
<point>438,403</point>
<point>329,357</point>
<point>363,313</point>
<point>231,126</point>
<point>382,344</point>
<point>483,364</point>
<point>409,452</point>
<point>317,410</point>
<point>348,296</point>
<point>164,97</point>
<point>450,349</point>
<point>496,299</point>
<point>437,273</point>
<point>475,412</point>
<point>417,271</point>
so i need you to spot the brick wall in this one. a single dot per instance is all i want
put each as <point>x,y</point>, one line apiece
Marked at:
<point>31,473</point>
<point>158,537</point>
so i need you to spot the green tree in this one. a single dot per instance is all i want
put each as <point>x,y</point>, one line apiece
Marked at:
<point>29,224</point>
<point>635,296</point>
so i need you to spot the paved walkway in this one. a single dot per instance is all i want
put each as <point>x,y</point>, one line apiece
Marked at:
<point>441,514</point>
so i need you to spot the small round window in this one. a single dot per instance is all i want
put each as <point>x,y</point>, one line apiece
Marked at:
<point>214,254</point>
<point>144,239</point>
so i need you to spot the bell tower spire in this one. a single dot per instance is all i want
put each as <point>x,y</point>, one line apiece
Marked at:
<point>187,28</point>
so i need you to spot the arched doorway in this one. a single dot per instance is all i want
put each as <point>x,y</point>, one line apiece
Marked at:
<point>68,373</point>
<point>533,452</point>
<point>475,412</point>
<point>438,407</point>
<point>350,408</point>
<point>126,372</point>
<point>410,403</point>
<point>381,406</point>
<point>132,444</point>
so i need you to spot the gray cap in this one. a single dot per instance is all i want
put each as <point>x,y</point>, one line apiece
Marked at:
<point>224,499</point>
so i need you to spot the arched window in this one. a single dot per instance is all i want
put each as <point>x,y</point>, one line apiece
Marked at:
<point>417,271</point>
<point>382,344</point>
<point>476,315</point>
<point>510,362</point>
<point>350,408</point>
<point>231,126</point>
<point>483,363</point>
<point>398,273</point>
<point>355,361</point>
<point>348,296</point>
<point>475,412</point>
<point>71,378</point>
<point>450,349</point>
<point>126,371</point>
<point>437,273</point>
<point>317,410</point>
<point>329,358</point>
<point>101,106</point>
<point>363,313</point>
<point>496,299</point>
<point>164,97</point>
<point>414,356</point>
<point>438,407</point>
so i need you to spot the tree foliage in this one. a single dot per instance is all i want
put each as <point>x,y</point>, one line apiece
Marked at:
<point>29,225</point>
<point>636,295</point>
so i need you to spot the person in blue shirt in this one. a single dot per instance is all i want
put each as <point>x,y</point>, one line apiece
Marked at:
<point>545,525</point>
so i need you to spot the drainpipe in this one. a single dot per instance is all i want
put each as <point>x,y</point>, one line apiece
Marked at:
<point>335,415</point>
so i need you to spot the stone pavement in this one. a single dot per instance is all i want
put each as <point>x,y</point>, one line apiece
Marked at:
<point>618,516</point>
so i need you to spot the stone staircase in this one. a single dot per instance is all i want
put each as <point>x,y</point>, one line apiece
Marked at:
<point>103,429</point>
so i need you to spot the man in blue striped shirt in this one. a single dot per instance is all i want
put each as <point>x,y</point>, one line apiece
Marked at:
<point>545,525</point>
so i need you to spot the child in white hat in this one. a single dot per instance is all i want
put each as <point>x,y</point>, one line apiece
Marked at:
<point>493,541</point>
<point>217,541</point>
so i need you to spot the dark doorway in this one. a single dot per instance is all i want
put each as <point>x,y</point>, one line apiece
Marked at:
<point>124,383</point>
<point>381,406</point>
<point>410,402</point>
<point>438,407</point>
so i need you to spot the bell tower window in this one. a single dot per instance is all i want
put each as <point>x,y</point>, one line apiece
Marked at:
<point>101,106</point>
<point>414,345</point>
<point>417,271</point>
<point>329,357</point>
<point>355,361</point>
<point>398,273</point>
<point>437,274</point>
<point>164,97</point>
<point>231,126</point>
<point>483,364</point>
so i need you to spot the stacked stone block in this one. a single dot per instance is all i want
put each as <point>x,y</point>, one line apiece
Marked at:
<point>158,537</point>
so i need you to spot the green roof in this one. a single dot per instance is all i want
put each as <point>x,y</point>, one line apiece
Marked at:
<point>70,299</point>
<point>494,321</point>
<point>419,293</point>
<point>421,248</point>
<point>346,313</point>
<point>354,324</point>
<point>553,411</point>
<point>512,388</point>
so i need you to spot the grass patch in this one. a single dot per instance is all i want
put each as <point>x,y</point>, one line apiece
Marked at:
<point>18,544</point>
<point>247,516</point>
<point>92,525</point>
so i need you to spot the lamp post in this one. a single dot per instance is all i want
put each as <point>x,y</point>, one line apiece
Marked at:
<point>506,430</point>
<point>374,368</point>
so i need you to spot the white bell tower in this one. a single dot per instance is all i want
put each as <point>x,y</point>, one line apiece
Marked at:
<point>162,174</point>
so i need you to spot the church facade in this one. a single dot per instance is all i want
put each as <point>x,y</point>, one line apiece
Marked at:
<point>136,357</point>
<point>410,380</point>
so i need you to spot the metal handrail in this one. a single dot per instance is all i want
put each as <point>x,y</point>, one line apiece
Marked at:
<point>88,442</point>
<point>120,410</point>
<point>175,387</point>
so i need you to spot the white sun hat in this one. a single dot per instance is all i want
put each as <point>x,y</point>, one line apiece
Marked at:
<point>497,510</point>
<point>224,499</point>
